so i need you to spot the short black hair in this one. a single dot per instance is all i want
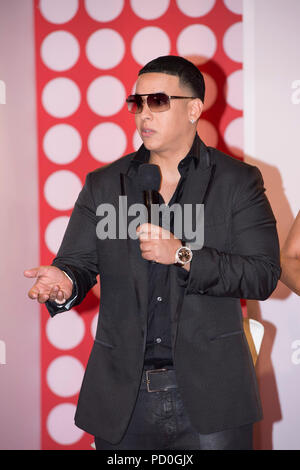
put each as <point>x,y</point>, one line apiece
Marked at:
<point>189,75</point>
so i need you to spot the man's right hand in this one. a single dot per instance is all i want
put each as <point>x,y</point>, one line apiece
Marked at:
<point>51,284</point>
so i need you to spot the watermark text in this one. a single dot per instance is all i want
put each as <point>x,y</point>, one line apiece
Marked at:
<point>295,358</point>
<point>185,222</point>
<point>2,352</point>
<point>2,92</point>
<point>295,98</point>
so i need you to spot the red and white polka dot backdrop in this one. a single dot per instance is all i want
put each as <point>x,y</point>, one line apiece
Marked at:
<point>88,53</point>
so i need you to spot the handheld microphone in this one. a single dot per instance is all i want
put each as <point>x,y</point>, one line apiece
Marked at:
<point>149,181</point>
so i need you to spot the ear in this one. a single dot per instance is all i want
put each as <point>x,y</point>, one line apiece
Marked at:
<point>195,109</point>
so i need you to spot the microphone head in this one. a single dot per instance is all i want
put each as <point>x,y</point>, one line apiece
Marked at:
<point>149,177</point>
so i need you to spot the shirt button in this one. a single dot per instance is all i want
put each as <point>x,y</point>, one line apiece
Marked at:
<point>158,340</point>
<point>159,299</point>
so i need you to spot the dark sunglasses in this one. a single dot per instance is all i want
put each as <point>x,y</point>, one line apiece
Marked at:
<point>156,102</point>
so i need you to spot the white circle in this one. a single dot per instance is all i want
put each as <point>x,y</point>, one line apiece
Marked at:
<point>58,11</point>
<point>65,331</point>
<point>195,8</point>
<point>60,424</point>
<point>149,10</point>
<point>107,142</point>
<point>94,325</point>
<point>233,42</point>
<point>234,90</point>
<point>54,233</point>
<point>61,97</point>
<point>98,52</point>
<point>133,88</point>
<point>62,144</point>
<point>104,10</point>
<point>64,376</point>
<point>137,140</point>
<point>236,6</point>
<point>61,189</point>
<point>60,50</point>
<point>106,95</point>
<point>234,136</point>
<point>197,41</point>
<point>149,43</point>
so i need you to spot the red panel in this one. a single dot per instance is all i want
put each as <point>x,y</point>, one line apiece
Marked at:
<point>219,19</point>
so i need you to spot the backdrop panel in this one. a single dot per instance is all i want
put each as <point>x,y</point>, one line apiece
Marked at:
<point>88,54</point>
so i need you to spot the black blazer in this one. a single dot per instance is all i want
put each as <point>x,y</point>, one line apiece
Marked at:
<point>239,259</point>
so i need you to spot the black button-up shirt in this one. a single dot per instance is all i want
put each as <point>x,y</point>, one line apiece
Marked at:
<point>158,344</point>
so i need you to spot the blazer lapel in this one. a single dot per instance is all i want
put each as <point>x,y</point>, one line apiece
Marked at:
<point>196,189</point>
<point>199,178</point>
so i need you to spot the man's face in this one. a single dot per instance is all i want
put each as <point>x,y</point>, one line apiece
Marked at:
<point>163,131</point>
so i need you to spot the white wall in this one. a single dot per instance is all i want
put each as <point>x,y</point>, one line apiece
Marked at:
<point>272,125</point>
<point>19,317</point>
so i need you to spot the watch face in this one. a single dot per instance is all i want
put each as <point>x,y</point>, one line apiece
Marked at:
<point>184,254</point>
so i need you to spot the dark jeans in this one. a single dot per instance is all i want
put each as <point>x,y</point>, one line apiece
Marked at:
<point>160,422</point>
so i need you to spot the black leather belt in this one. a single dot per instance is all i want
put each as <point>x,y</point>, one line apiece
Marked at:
<point>158,380</point>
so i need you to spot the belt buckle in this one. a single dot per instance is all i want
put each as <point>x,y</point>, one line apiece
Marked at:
<point>153,371</point>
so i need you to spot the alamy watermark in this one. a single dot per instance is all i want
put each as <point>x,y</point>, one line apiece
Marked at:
<point>122,222</point>
<point>295,358</point>
<point>295,98</point>
<point>2,352</point>
<point>2,92</point>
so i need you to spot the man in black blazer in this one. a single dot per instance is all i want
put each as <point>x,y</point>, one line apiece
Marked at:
<point>170,367</point>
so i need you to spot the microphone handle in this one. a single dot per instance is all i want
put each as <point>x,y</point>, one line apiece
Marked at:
<point>149,198</point>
